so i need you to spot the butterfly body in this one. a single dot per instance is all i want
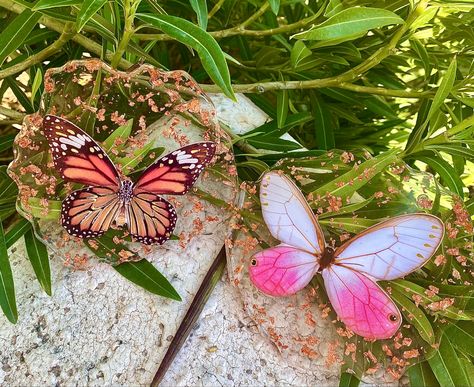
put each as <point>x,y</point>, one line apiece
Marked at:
<point>110,199</point>
<point>386,251</point>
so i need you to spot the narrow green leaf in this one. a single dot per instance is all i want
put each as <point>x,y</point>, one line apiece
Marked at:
<point>420,50</point>
<point>415,316</point>
<point>89,8</point>
<point>346,184</point>
<point>48,4</point>
<point>421,375</point>
<point>200,7</point>
<point>16,231</point>
<point>275,6</point>
<point>208,49</point>
<point>461,336</point>
<point>323,123</point>
<point>122,132</point>
<point>282,107</point>
<point>351,21</point>
<point>453,149</point>
<point>38,256</point>
<point>144,274</point>
<point>298,53</point>
<point>6,141</point>
<point>447,173</point>
<point>20,94</point>
<point>16,32</point>
<point>447,366</point>
<point>129,162</point>
<point>444,88</point>
<point>7,287</point>
<point>36,85</point>
<point>348,380</point>
<point>141,273</point>
<point>52,212</point>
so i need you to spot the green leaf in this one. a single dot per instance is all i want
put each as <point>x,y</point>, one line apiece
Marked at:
<point>453,149</point>
<point>36,85</point>
<point>141,273</point>
<point>348,380</point>
<point>129,162</point>
<point>447,366</point>
<point>200,7</point>
<point>48,4</point>
<point>144,274</point>
<point>6,141</point>
<point>52,212</point>
<point>16,32</point>
<point>421,375</point>
<point>89,8</point>
<point>323,123</point>
<point>298,53</point>
<point>444,88</point>
<point>415,316</point>
<point>16,231</point>
<point>346,184</point>
<point>275,6</point>
<point>351,21</point>
<point>461,336</point>
<point>7,287</point>
<point>208,49</point>
<point>447,173</point>
<point>282,107</point>
<point>38,256</point>
<point>122,132</point>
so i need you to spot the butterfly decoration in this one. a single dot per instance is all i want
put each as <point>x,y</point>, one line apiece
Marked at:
<point>389,250</point>
<point>109,198</point>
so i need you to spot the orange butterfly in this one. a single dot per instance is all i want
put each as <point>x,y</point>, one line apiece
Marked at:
<point>89,212</point>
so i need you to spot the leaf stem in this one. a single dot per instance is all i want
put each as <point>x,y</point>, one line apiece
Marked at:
<point>130,7</point>
<point>68,32</point>
<point>216,8</point>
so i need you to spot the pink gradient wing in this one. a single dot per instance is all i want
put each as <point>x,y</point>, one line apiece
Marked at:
<point>360,303</point>
<point>282,270</point>
<point>393,248</point>
<point>287,214</point>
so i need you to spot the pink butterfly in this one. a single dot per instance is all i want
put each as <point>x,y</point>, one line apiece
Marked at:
<point>388,250</point>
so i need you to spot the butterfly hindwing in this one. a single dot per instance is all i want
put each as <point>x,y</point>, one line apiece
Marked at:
<point>360,303</point>
<point>77,156</point>
<point>89,212</point>
<point>151,219</point>
<point>282,270</point>
<point>287,214</point>
<point>393,248</point>
<point>176,172</point>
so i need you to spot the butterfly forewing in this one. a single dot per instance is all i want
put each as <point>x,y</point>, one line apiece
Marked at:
<point>393,248</point>
<point>287,214</point>
<point>150,219</point>
<point>89,212</point>
<point>176,172</point>
<point>77,156</point>
<point>282,270</point>
<point>360,303</point>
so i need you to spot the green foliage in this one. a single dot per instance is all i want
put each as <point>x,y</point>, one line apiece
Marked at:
<point>390,78</point>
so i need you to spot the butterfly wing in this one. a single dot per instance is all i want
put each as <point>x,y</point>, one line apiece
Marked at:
<point>282,270</point>
<point>287,214</point>
<point>393,248</point>
<point>176,172</point>
<point>89,212</point>
<point>360,303</point>
<point>77,156</point>
<point>150,219</point>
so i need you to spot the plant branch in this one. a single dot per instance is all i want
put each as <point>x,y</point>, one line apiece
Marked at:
<point>240,29</point>
<point>216,8</point>
<point>68,32</point>
<point>130,7</point>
